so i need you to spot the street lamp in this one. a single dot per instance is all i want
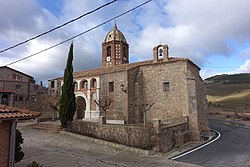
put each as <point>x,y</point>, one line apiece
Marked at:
<point>123,88</point>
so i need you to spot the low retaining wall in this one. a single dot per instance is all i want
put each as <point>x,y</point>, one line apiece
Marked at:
<point>141,137</point>
<point>161,140</point>
<point>173,137</point>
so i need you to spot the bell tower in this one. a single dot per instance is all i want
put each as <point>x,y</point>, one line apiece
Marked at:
<point>115,49</point>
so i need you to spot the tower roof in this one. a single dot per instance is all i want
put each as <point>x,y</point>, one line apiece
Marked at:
<point>116,35</point>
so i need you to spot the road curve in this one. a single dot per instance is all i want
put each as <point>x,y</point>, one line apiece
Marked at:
<point>232,149</point>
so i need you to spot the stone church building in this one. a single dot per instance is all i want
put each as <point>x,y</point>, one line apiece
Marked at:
<point>171,85</point>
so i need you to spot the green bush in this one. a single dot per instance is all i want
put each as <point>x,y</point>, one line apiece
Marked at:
<point>34,164</point>
<point>19,154</point>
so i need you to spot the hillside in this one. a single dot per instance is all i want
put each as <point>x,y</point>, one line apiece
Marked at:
<point>229,79</point>
<point>229,91</point>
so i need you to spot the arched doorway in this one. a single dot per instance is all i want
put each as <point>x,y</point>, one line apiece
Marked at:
<point>5,100</point>
<point>80,107</point>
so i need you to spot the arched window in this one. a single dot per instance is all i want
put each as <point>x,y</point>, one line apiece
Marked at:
<point>108,53</point>
<point>5,99</point>
<point>124,53</point>
<point>84,84</point>
<point>93,83</point>
<point>160,51</point>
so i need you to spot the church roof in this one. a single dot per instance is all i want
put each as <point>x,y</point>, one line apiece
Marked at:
<point>115,34</point>
<point>125,67</point>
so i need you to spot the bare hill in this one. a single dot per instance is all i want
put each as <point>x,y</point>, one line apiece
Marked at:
<point>229,91</point>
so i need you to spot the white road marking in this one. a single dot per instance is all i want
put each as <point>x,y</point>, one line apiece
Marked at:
<point>181,155</point>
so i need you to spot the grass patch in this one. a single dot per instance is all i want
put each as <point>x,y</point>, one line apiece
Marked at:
<point>229,95</point>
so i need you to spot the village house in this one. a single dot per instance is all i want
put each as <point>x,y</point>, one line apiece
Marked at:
<point>8,120</point>
<point>171,86</point>
<point>16,86</point>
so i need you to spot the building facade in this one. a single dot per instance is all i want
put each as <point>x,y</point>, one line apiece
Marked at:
<point>16,86</point>
<point>172,87</point>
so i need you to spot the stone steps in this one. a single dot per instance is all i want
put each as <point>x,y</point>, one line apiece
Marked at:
<point>48,127</point>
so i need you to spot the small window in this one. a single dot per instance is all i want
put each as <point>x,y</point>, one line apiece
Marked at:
<point>15,97</point>
<point>20,98</point>
<point>108,58</point>
<point>52,84</point>
<point>17,77</point>
<point>165,86</point>
<point>124,53</point>
<point>111,86</point>
<point>18,87</point>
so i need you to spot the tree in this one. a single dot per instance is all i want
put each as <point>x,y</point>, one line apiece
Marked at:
<point>144,107</point>
<point>67,104</point>
<point>19,154</point>
<point>104,104</point>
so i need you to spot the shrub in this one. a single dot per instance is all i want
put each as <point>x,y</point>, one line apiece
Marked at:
<point>34,164</point>
<point>19,154</point>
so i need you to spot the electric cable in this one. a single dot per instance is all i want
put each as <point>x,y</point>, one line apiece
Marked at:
<point>60,43</point>
<point>60,26</point>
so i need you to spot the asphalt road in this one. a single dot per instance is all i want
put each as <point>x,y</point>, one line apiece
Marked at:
<point>53,149</point>
<point>232,149</point>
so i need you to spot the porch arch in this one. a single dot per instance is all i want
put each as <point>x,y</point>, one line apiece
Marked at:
<point>81,105</point>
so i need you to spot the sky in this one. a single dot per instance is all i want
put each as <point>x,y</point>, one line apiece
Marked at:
<point>213,34</point>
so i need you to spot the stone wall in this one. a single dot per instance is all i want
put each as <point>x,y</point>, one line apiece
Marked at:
<point>162,139</point>
<point>135,136</point>
<point>134,92</point>
<point>38,103</point>
<point>197,98</point>
<point>8,74</point>
<point>168,104</point>
<point>173,137</point>
<point>118,108</point>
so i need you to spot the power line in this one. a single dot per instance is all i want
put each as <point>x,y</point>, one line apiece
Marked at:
<point>222,67</point>
<point>60,43</point>
<point>60,26</point>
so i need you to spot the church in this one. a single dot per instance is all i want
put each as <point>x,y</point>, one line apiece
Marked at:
<point>164,88</point>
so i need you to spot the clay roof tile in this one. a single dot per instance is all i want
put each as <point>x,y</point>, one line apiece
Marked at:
<point>9,112</point>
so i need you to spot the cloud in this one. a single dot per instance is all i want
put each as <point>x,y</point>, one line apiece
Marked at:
<point>194,29</point>
<point>245,68</point>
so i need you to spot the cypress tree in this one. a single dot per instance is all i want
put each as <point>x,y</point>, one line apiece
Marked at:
<point>67,104</point>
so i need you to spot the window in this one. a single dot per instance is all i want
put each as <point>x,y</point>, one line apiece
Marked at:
<point>14,97</point>
<point>93,83</point>
<point>18,87</point>
<point>17,77</point>
<point>165,86</point>
<point>111,86</point>
<point>108,53</point>
<point>52,84</point>
<point>124,54</point>
<point>160,52</point>
<point>20,98</point>
<point>85,84</point>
